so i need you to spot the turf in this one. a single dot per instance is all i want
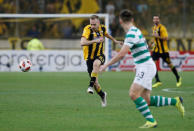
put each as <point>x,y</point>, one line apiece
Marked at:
<point>59,102</point>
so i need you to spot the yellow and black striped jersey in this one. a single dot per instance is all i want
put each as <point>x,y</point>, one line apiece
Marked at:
<point>160,45</point>
<point>95,49</point>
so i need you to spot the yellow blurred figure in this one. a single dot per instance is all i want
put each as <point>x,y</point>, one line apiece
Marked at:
<point>3,28</point>
<point>35,44</point>
<point>1,1</point>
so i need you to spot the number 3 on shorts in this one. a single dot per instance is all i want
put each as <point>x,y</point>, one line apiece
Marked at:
<point>140,75</point>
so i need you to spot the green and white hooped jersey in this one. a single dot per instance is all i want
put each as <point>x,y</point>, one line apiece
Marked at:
<point>138,45</point>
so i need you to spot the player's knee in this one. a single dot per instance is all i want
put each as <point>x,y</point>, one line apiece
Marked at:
<point>95,68</point>
<point>96,64</point>
<point>132,95</point>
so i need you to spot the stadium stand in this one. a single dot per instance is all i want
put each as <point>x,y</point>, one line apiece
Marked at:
<point>175,14</point>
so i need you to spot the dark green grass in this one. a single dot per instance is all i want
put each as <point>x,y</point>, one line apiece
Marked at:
<point>59,102</point>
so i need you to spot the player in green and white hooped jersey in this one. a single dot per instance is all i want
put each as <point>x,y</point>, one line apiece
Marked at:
<point>141,87</point>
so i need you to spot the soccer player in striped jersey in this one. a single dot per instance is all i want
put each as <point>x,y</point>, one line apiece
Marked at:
<point>92,41</point>
<point>141,87</point>
<point>161,50</point>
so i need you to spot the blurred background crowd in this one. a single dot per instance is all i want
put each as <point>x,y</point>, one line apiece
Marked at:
<point>176,15</point>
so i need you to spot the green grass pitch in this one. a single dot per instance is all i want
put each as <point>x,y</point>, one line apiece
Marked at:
<point>59,102</point>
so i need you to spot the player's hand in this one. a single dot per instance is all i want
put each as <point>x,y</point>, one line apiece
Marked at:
<point>102,68</point>
<point>99,40</point>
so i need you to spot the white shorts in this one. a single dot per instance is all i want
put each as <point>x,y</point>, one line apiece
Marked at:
<point>145,72</point>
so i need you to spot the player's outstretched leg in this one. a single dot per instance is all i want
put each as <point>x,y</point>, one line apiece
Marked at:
<point>103,95</point>
<point>165,101</point>
<point>136,92</point>
<point>143,108</point>
<point>179,105</point>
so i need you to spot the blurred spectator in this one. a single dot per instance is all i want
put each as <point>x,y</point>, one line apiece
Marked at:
<point>175,14</point>
<point>9,6</point>
<point>58,6</point>
<point>142,7</point>
<point>119,4</point>
<point>50,8</point>
<point>110,9</point>
<point>54,31</point>
<point>3,29</point>
<point>114,29</point>
<point>67,29</point>
<point>35,44</point>
<point>34,32</point>
<point>41,4</point>
<point>23,4</point>
<point>1,8</point>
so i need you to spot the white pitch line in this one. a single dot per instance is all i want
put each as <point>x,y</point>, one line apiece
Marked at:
<point>175,90</point>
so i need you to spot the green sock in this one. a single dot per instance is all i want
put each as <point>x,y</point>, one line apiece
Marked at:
<point>162,101</point>
<point>142,106</point>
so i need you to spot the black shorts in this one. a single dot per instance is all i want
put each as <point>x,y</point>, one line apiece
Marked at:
<point>90,63</point>
<point>165,57</point>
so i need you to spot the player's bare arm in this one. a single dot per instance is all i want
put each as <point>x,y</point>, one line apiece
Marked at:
<point>85,42</point>
<point>113,39</point>
<point>124,50</point>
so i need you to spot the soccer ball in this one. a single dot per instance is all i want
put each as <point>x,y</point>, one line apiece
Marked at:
<point>25,65</point>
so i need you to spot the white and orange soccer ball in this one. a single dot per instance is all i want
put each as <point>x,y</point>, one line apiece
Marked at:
<point>25,65</point>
